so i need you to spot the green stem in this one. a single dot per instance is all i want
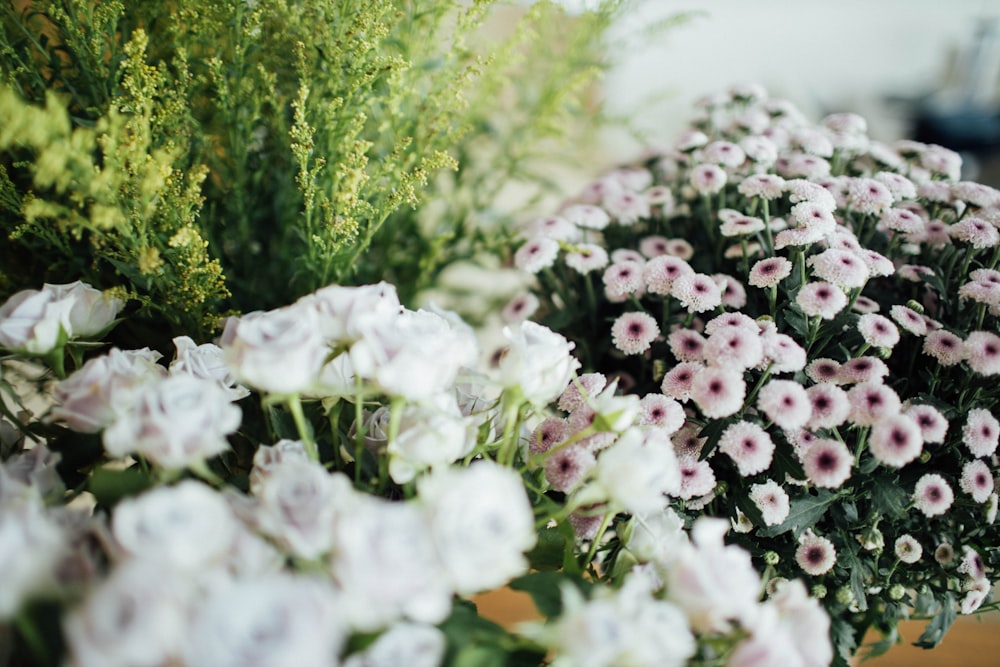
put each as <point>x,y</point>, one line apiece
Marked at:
<point>32,638</point>
<point>508,443</point>
<point>359,427</point>
<point>294,403</point>
<point>596,542</point>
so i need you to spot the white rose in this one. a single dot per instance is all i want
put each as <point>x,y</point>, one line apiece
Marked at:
<point>387,566</point>
<point>32,320</point>
<point>481,521</point>
<point>344,312</point>
<point>205,361</point>
<point>410,644</point>
<point>279,351</point>
<point>31,544</point>
<point>299,504</point>
<point>268,458</point>
<point>186,526</point>
<point>272,621</point>
<point>429,436</point>
<point>335,380</point>
<point>136,618</point>
<point>92,311</point>
<point>538,362</point>
<point>656,537</point>
<point>177,422</point>
<point>104,388</point>
<point>639,471</point>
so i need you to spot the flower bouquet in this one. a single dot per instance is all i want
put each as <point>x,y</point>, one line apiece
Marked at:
<point>332,482</point>
<point>812,315</point>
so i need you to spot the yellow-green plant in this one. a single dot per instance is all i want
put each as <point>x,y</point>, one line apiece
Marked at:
<point>236,154</point>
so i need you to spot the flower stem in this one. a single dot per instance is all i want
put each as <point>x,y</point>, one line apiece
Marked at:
<point>294,403</point>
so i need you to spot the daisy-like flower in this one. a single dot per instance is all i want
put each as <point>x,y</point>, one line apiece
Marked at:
<point>845,122</point>
<point>678,380</point>
<point>800,190</point>
<point>580,389</point>
<point>821,299</point>
<point>732,319</point>
<point>586,257</point>
<point>814,217</point>
<point>734,295</point>
<point>981,432</point>
<point>944,554</point>
<point>718,392</point>
<point>549,433</point>
<point>741,225</point>
<point>633,333</point>
<point>749,446</point>
<point>972,564</point>
<point>872,402</point>
<point>976,232</point>
<point>866,195</point>
<point>933,426</point>
<point>765,186</point>
<point>697,292</point>
<point>687,345</point>
<point>944,346</point>
<point>707,179</point>
<point>840,267</point>
<point>895,440</point>
<point>783,353</point>
<point>785,403</point>
<point>688,140</point>
<point>908,549</point>
<point>623,278</point>
<point>553,227</point>
<point>565,468</point>
<point>681,248</point>
<point>627,255</point>
<point>977,480</point>
<point>662,411</point>
<point>661,197</point>
<point>976,194</point>
<point>797,237</point>
<point>771,500</point>
<point>520,308</point>
<point>654,246</point>
<point>909,319</point>
<point>801,165</point>
<point>824,370</point>
<point>932,495</point>
<point>724,153</point>
<point>878,331</point>
<point>587,216</point>
<point>982,352</point>
<point>815,555</point>
<point>537,254</point>
<point>980,292</point>
<point>697,477</point>
<point>626,207</point>
<point>830,407</point>
<point>769,272</point>
<point>902,220</point>
<point>935,235</point>
<point>900,186</point>
<point>827,463</point>
<point>660,273</point>
<point>863,369</point>
<point>865,305</point>
<point>734,347</point>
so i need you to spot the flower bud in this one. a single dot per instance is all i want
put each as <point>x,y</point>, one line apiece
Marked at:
<point>845,595</point>
<point>771,558</point>
<point>897,591</point>
<point>915,306</point>
<point>818,591</point>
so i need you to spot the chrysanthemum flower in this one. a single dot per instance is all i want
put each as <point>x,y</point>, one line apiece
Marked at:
<point>982,351</point>
<point>697,292</point>
<point>981,292</point>
<point>878,331</point>
<point>944,346</point>
<point>976,194</point>
<point>678,380</point>
<point>586,258</point>
<point>816,555</point>
<point>765,186</point>
<point>724,153</point>
<point>732,319</point>
<point>981,432</point>
<point>550,432</point>
<point>933,426</point>
<point>863,304</point>
<point>840,267</point>
<point>718,392</point>
<point>742,225</point>
<point>634,332</point>
<point>687,442</point>
<point>944,554</point>
<point>972,563</point>
<point>734,347</point>
<point>814,217</point>
<point>824,370</point>
<point>830,407</point>
<point>772,501</point>
<point>977,480</point>
<point>872,402</point>
<point>654,246</point>
<point>802,165</point>
<point>932,495</point>
<point>909,319</point>
<point>626,207</point>
<point>866,195</point>
<point>697,477</point>
<point>520,308</point>
<point>827,463</point>
<point>553,227</point>
<point>800,190</point>
<point>861,370</point>
<point>660,273</point>
<point>821,299</point>
<point>785,403</point>
<point>797,237</point>
<point>902,220</point>
<point>783,353</point>
<point>707,179</point>
<point>900,186</point>
<point>908,549</point>
<point>565,468</point>
<point>976,232</point>
<point>662,411</point>
<point>769,272</point>
<point>749,446</point>
<point>580,389</point>
<point>734,295</point>
<point>537,254</point>
<point>895,440</point>
<point>587,216</point>
<point>687,345</point>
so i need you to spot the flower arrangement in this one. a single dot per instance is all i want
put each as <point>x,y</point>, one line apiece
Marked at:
<point>332,481</point>
<point>813,315</point>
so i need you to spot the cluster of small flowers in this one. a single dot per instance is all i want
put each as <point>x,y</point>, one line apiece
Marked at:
<point>820,309</point>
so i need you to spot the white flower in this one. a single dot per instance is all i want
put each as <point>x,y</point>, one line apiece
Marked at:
<point>639,471</point>
<point>186,526</point>
<point>415,356</point>
<point>538,362</point>
<point>31,321</point>
<point>343,313</point>
<point>410,644</point>
<point>790,630</point>
<point>279,351</point>
<point>91,312</point>
<point>205,361</point>
<point>273,621</point>
<point>656,537</point>
<point>387,566</point>
<point>299,504</point>
<point>136,618</point>
<point>104,388</point>
<point>429,436</point>
<point>31,544</point>
<point>481,522</point>
<point>177,422</point>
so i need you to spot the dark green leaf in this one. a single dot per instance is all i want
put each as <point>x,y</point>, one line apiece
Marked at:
<point>888,498</point>
<point>480,656</point>
<point>545,589</point>
<point>110,486</point>
<point>844,637</point>
<point>936,629</point>
<point>548,552</point>
<point>860,574</point>
<point>804,513</point>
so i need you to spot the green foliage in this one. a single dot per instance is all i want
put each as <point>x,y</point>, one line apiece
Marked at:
<point>235,155</point>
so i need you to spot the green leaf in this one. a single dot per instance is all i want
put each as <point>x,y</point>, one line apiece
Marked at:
<point>548,552</point>
<point>480,656</point>
<point>889,499</point>
<point>282,423</point>
<point>804,513</point>
<point>936,629</point>
<point>109,486</point>
<point>545,589</point>
<point>875,649</point>
<point>860,573</point>
<point>844,637</point>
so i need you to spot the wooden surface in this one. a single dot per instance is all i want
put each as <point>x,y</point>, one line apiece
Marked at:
<point>974,641</point>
